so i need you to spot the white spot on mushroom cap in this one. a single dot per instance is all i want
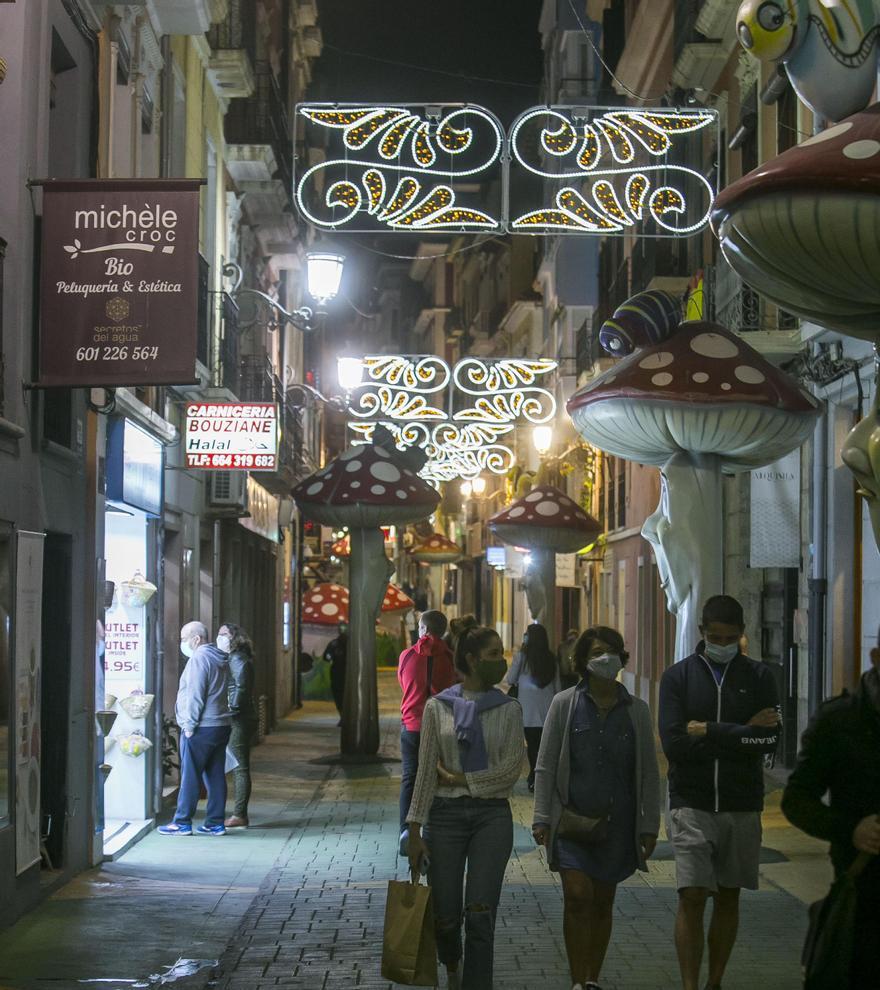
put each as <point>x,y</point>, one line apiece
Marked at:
<point>655,361</point>
<point>861,149</point>
<point>547,508</point>
<point>348,454</point>
<point>353,466</point>
<point>534,496</point>
<point>384,471</point>
<point>516,511</point>
<point>317,598</point>
<point>828,134</point>
<point>663,378</point>
<point>699,377</point>
<point>713,345</point>
<point>378,489</point>
<point>400,493</point>
<point>315,488</point>
<point>355,484</point>
<point>380,452</point>
<point>726,386</point>
<point>750,376</point>
<point>329,609</point>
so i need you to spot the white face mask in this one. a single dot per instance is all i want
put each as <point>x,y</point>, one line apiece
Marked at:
<point>607,665</point>
<point>224,643</point>
<point>721,654</point>
<point>186,648</point>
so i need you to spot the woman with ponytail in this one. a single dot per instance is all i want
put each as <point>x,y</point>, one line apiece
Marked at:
<point>470,756</point>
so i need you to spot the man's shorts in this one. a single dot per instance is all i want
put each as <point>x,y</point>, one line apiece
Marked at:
<point>715,849</point>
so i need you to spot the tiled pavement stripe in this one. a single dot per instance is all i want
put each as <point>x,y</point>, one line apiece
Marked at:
<point>317,920</point>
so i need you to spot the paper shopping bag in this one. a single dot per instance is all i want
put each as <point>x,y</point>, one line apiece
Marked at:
<point>409,950</point>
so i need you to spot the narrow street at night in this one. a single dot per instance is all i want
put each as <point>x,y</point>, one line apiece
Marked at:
<point>298,899</point>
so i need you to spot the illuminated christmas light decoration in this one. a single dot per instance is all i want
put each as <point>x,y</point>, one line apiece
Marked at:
<point>619,170</point>
<point>407,160</point>
<point>460,432</point>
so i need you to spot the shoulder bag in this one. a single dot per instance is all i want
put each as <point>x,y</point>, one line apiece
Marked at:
<point>828,948</point>
<point>582,829</point>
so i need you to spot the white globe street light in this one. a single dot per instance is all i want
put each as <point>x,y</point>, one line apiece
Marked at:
<point>478,485</point>
<point>542,438</point>
<point>349,372</point>
<point>466,489</point>
<point>323,275</point>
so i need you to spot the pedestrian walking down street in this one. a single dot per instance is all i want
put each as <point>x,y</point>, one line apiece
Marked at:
<point>242,706</point>
<point>202,712</point>
<point>840,756</point>
<point>336,653</point>
<point>534,673</point>
<point>718,717</point>
<point>469,759</point>
<point>597,760</point>
<point>424,669</point>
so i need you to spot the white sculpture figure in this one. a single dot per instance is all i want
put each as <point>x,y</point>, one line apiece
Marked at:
<point>828,47</point>
<point>688,519</point>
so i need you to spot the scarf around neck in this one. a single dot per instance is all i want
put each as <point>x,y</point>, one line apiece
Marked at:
<point>466,717</point>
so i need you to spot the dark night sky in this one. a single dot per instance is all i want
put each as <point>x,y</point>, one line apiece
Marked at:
<point>460,40</point>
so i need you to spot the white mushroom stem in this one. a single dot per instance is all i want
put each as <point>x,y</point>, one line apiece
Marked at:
<point>686,533</point>
<point>540,581</point>
<point>370,570</point>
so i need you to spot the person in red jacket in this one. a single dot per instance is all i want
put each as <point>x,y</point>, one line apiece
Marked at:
<point>429,652</point>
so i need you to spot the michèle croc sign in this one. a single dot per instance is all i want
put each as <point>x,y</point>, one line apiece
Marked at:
<point>119,282</point>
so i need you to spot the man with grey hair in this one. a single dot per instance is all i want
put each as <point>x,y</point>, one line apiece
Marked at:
<point>202,712</point>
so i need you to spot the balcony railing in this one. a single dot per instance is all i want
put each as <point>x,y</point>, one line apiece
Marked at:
<point>685,32</point>
<point>2,366</point>
<point>228,368</point>
<point>262,119</point>
<point>238,30</point>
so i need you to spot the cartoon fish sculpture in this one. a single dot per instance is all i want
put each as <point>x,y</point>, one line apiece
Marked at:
<point>829,48</point>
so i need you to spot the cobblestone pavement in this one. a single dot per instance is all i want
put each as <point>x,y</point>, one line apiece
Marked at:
<point>316,922</point>
<point>298,900</point>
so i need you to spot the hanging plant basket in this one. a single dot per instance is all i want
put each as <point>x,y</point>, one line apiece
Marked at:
<point>134,743</point>
<point>136,592</point>
<point>137,704</point>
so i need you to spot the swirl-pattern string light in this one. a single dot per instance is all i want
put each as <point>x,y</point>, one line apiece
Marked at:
<point>459,431</point>
<point>618,171</point>
<point>397,166</point>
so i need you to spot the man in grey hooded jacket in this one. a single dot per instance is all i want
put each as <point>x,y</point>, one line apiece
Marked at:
<point>202,712</point>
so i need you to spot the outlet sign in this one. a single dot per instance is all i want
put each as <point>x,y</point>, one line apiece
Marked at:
<point>232,436</point>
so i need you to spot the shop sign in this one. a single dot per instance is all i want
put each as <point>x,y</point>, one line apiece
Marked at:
<point>775,516</point>
<point>134,467</point>
<point>566,570</point>
<point>119,282</point>
<point>263,508</point>
<point>496,556</point>
<point>124,647</point>
<point>28,677</point>
<point>232,436</point>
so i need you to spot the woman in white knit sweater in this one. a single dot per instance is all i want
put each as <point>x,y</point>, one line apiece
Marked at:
<point>470,756</point>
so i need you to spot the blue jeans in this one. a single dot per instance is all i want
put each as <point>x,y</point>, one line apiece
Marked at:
<point>203,755</point>
<point>477,832</point>
<point>409,767</point>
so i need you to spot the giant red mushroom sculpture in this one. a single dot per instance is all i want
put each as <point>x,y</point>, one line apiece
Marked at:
<point>365,488</point>
<point>325,604</point>
<point>546,522</point>
<point>698,404</point>
<point>436,549</point>
<point>801,229</point>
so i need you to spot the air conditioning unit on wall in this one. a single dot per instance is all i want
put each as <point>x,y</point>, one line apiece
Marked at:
<point>227,491</point>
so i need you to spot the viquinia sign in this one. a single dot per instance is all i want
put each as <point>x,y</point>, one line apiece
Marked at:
<point>119,283</point>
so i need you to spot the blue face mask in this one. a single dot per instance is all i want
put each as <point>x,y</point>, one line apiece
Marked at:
<point>721,654</point>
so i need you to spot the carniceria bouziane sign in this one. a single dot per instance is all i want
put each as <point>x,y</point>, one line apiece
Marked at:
<point>119,282</point>
<point>232,436</point>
